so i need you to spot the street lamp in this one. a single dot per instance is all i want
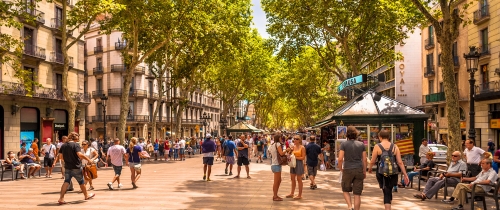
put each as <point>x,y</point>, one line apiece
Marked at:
<point>104,98</point>
<point>205,119</point>
<point>223,124</point>
<point>472,62</point>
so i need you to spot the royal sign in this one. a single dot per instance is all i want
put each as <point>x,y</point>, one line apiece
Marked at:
<point>352,81</point>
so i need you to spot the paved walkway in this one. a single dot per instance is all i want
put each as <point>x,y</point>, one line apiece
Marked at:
<point>179,185</point>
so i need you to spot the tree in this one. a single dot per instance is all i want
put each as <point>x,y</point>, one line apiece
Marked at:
<point>78,19</point>
<point>345,34</point>
<point>446,32</point>
<point>11,46</point>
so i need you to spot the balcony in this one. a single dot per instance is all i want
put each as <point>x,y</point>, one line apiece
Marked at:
<point>482,15</point>
<point>140,70</point>
<point>429,43</point>
<point>56,23</point>
<point>484,50</point>
<point>98,70</point>
<point>154,96</point>
<point>120,45</point>
<point>429,72</point>
<point>36,15</point>
<point>133,118</point>
<point>487,91</point>
<point>435,97</point>
<point>132,93</point>
<point>118,68</point>
<point>48,93</point>
<point>57,58</point>
<point>97,93</point>
<point>34,51</point>
<point>98,118</point>
<point>12,88</point>
<point>97,49</point>
<point>191,122</point>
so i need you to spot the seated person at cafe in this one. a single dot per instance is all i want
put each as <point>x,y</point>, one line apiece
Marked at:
<point>11,159</point>
<point>29,158</point>
<point>452,175</point>
<point>425,167</point>
<point>485,178</point>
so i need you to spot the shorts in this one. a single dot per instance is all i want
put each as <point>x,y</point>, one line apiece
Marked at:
<point>167,151</point>
<point>208,161</point>
<point>74,173</point>
<point>182,151</point>
<point>312,170</point>
<point>161,152</point>
<point>276,168</point>
<point>132,165</point>
<point>48,162</point>
<point>118,170</point>
<point>243,161</point>
<point>230,160</point>
<point>32,165</point>
<point>260,153</point>
<point>352,180</point>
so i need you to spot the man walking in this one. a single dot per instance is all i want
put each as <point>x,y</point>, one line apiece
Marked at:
<point>452,175</point>
<point>485,178</point>
<point>312,152</point>
<point>423,150</point>
<point>115,153</point>
<point>182,152</point>
<point>71,153</point>
<point>208,148</point>
<point>49,151</point>
<point>260,148</point>
<point>242,147</point>
<point>352,164</point>
<point>473,155</point>
<point>229,151</point>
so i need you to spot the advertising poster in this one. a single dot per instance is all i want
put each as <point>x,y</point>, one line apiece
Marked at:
<point>341,132</point>
<point>27,137</point>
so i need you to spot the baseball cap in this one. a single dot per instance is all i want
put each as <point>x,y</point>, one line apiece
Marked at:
<point>208,135</point>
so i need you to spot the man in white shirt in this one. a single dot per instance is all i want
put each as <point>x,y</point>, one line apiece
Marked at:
<point>473,155</point>
<point>49,151</point>
<point>115,153</point>
<point>423,150</point>
<point>182,143</point>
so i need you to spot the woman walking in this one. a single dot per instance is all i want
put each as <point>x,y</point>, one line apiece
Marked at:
<point>92,154</point>
<point>386,183</point>
<point>177,147</point>
<point>276,150</point>
<point>134,155</point>
<point>296,173</point>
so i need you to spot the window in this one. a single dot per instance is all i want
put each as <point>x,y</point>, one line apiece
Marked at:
<point>98,63</point>
<point>441,112</point>
<point>484,76</point>
<point>484,41</point>
<point>59,82</point>
<point>431,34</point>
<point>430,61</point>
<point>99,110</point>
<point>431,86</point>
<point>441,87</point>
<point>454,49</point>
<point>389,74</point>
<point>59,46</point>
<point>29,37</point>
<point>99,85</point>
<point>439,59</point>
<point>99,42</point>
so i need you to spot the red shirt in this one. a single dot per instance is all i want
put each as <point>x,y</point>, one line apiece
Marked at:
<point>166,145</point>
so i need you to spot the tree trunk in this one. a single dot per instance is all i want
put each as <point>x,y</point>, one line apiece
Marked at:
<point>71,102</point>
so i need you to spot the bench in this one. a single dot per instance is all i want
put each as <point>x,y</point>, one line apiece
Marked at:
<point>438,170</point>
<point>494,194</point>
<point>5,167</point>
<point>467,174</point>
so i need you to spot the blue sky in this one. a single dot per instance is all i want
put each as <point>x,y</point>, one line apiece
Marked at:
<point>259,19</point>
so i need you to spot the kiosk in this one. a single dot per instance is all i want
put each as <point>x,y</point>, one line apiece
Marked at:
<point>371,112</point>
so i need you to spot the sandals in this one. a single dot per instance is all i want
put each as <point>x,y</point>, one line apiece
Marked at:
<point>90,196</point>
<point>236,177</point>
<point>61,202</point>
<point>420,196</point>
<point>289,196</point>
<point>297,198</point>
<point>277,199</point>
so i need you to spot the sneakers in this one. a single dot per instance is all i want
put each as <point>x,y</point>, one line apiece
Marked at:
<point>110,186</point>
<point>230,173</point>
<point>448,201</point>
<point>120,185</point>
<point>225,171</point>
<point>133,185</point>
<point>204,177</point>
<point>209,180</point>
<point>459,207</point>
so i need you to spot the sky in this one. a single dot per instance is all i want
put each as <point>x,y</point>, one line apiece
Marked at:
<point>259,19</point>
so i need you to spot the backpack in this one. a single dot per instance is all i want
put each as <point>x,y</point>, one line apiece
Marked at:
<point>387,163</point>
<point>226,149</point>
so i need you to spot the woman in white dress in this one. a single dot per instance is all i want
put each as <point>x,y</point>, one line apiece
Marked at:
<point>92,154</point>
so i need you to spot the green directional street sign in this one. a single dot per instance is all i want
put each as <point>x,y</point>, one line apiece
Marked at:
<point>351,82</point>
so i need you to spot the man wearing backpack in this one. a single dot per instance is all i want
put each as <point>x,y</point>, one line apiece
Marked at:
<point>353,154</point>
<point>229,151</point>
<point>387,168</point>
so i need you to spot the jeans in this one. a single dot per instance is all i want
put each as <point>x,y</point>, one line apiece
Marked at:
<point>76,173</point>
<point>434,184</point>
<point>410,176</point>
<point>265,151</point>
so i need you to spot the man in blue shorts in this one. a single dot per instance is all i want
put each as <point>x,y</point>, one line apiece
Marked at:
<point>208,148</point>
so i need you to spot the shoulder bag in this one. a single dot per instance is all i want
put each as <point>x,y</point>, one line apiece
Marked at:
<point>282,159</point>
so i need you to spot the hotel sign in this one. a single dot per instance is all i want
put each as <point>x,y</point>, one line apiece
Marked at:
<point>351,82</point>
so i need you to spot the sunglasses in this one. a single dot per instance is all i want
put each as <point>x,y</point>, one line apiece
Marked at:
<point>455,156</point>
<point>84,144</point>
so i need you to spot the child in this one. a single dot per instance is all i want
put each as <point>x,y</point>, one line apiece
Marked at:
<point>190,151</point>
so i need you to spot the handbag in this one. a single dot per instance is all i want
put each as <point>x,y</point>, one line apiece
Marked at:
<point>322,167</point>
<point>47,154</point>
<point>90,171</point>
<point>292,162</point>
<point>282,159</point>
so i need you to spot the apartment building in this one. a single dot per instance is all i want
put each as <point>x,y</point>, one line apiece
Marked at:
<point>43,114</point>
<point>402,77</point>
<point>106,71</point>
<point>434,100</point>
<point>484,34</point>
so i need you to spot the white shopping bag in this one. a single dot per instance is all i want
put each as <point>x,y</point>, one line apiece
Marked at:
<point>340,177</point>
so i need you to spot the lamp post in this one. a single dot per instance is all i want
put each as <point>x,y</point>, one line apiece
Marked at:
<point>223,124</point>
<point>104,98</point>
<point>472,62</point>
<point>205,119</point>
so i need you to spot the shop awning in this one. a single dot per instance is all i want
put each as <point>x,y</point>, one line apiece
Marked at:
<point>243,127</point>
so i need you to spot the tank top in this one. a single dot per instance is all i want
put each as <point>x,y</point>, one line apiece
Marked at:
<point>298,153</point>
